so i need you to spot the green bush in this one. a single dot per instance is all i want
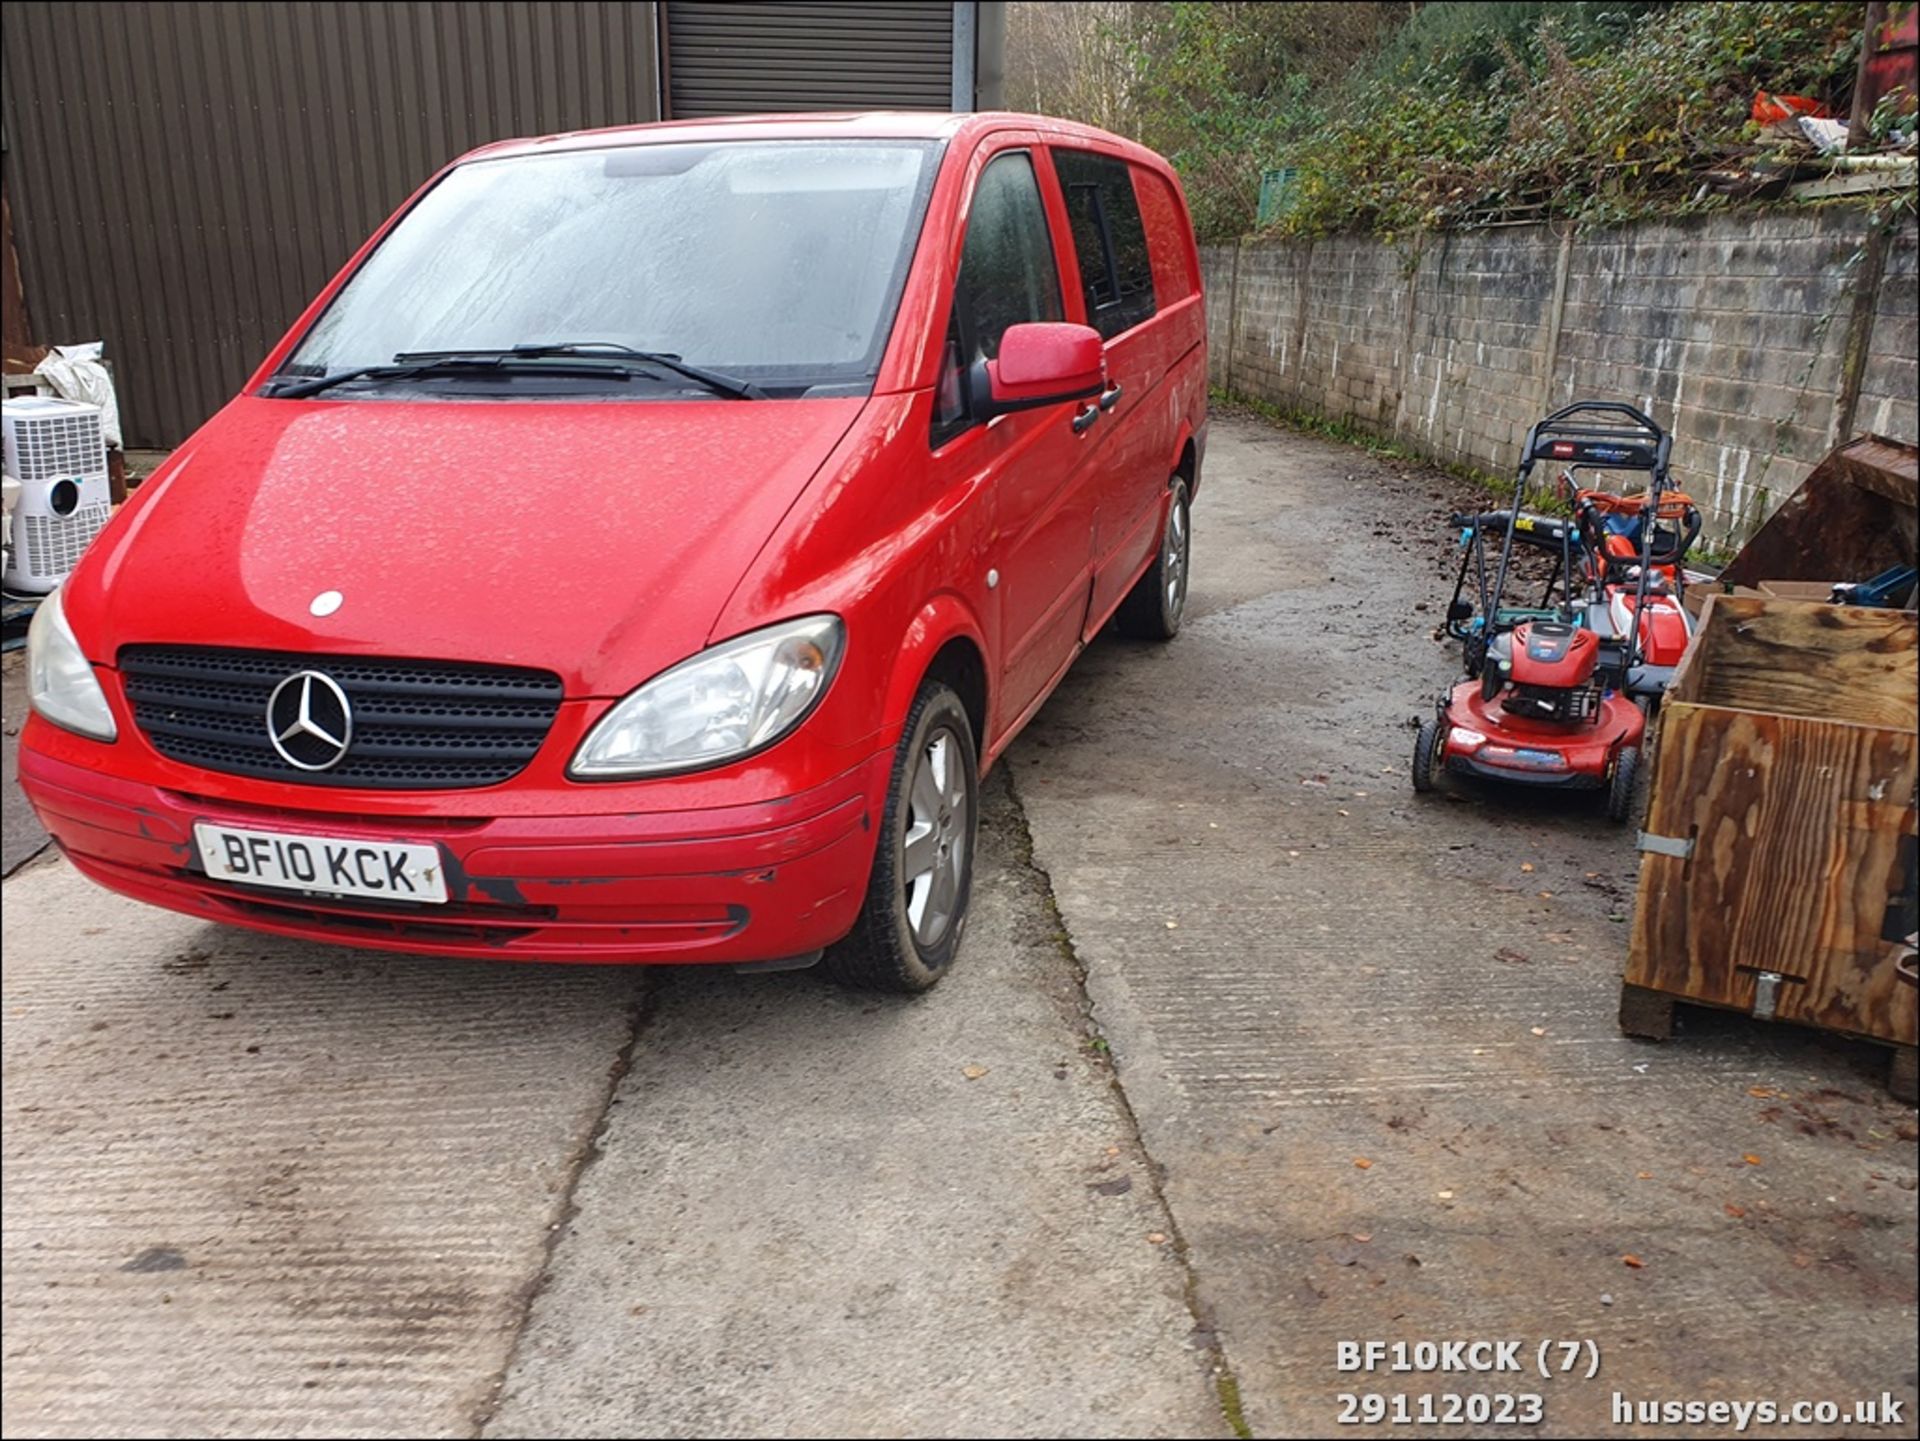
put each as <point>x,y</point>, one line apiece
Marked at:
<point>1221,88</point>
<point>1469,112</point>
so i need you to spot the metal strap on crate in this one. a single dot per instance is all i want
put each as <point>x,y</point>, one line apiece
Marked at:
<point>1680,846</point>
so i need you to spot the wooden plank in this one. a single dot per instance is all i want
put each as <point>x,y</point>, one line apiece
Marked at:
<point>1820,590</point>
<point>1795,657</point>
<point>1700,592</point>
<point>1853,182</point>
<point>1797,827</point>
<point>1647,1014</point>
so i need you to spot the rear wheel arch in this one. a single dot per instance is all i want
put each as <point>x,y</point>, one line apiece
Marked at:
<point>1151,610</point>
<point>1186,462</point>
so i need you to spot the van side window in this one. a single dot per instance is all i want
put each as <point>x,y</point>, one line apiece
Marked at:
<point>1169,238</point>
<point>1109,240</point>
<point>1007,276</point>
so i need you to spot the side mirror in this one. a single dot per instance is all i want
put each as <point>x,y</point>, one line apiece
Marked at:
<point>1040,363</point>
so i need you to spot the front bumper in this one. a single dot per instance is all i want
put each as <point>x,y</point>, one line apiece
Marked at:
<point>1557,780</point>
<point>734,883</point>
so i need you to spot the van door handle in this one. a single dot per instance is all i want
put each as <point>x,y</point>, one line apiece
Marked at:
<point>1084,419</point>
<point>1110,398</point>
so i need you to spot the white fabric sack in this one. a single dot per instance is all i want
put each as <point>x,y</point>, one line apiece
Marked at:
<point>76,373</point>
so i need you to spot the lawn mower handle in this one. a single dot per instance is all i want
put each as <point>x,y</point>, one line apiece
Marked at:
<point>1560,433</point>
<point>1644,447</point>
<point>1610,407</point>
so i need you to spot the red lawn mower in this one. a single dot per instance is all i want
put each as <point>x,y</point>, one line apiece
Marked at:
<point>1628,539</point>
<point>1549,693</point>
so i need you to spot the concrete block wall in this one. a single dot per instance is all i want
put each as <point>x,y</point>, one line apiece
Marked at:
<point>1476,369</point>
<point>1263,356</point>
<point>1729,334</point>
<point>1889,404</point>
<point>1217,279</point>
<point>1356,296</point>
<point>1740,333</point>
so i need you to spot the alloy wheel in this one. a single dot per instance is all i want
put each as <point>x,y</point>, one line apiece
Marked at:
<point>1173,559</point>
<point>933,849</point>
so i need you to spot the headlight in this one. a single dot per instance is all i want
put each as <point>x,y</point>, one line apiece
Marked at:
<point>722,704</point>
<point>60,683</point>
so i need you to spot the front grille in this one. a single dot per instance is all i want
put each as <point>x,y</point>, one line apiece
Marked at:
<point>417,724</point>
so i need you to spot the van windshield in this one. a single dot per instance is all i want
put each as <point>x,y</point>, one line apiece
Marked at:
<point>778,262</point>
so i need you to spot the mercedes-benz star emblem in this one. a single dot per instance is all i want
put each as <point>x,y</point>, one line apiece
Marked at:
<point>309,721</point>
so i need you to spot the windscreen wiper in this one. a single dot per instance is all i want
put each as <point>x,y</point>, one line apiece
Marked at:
<point>408,365</point>
<point>717,381</point>
<point>589,357</point>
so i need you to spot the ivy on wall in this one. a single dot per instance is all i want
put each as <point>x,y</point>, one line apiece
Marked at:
<point>1602,131</point>
<point>1460,113</point>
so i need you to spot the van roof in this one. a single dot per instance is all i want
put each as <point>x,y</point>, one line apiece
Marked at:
<point>840,125</point>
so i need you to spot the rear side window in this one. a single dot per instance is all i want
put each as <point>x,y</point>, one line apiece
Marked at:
<point>1116,271</point>
<point>1169,237</point>
<point>1007,277</point>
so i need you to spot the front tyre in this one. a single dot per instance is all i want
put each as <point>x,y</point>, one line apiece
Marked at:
<point>915,912</point>
<point>1152,609</point>
<point>1426,754</point>
<point>1626,773</point>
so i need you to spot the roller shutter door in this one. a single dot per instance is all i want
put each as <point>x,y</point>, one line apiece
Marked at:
<point>733,59</point>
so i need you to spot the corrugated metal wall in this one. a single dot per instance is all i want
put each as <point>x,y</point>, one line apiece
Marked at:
<point>184,177</point>
<point>731,58</point>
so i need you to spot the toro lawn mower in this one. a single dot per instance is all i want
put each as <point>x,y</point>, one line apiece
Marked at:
<point>1546,701</point>
<point>1636,546</point>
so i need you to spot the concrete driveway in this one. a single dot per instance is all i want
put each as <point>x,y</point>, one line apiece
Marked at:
<point>1249,1053</point>
<point>21,838</point>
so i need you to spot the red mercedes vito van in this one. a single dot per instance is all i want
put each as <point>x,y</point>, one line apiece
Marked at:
<point>643,546</point>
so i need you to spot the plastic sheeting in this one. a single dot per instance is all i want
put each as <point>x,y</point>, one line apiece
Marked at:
<point>78,373</point>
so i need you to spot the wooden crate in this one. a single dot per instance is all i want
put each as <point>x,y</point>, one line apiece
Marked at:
<point>1780,833</point>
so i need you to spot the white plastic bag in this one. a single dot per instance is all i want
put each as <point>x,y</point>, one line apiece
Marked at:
<point>76,372</point>
<point>1829,137</point>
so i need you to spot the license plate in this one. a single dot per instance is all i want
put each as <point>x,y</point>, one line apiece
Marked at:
<point>323,865</point>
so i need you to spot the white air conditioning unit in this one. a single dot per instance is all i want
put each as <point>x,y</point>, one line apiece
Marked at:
<point>54,448</point>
